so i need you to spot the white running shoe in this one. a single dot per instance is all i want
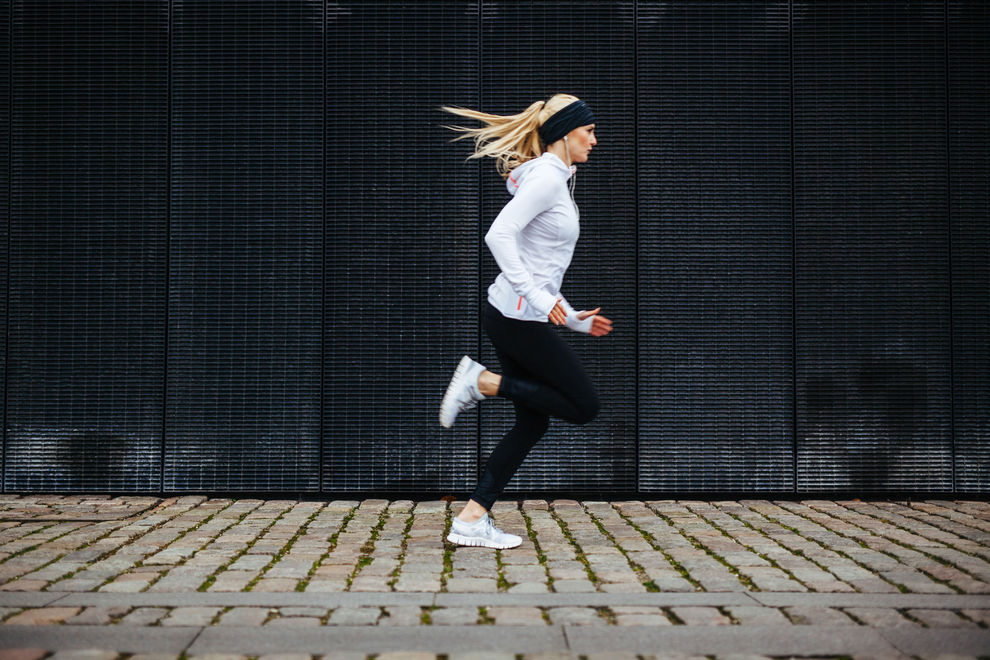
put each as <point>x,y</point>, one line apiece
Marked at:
<point>462,393</point>
<point>481,533</point>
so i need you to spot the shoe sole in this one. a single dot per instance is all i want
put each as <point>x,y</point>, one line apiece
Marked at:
<point>455,383</point>
<point>460,539</point>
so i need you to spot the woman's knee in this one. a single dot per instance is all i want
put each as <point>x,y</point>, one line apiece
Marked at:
<point>586,408</point>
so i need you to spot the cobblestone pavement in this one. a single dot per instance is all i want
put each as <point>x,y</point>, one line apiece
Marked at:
<point>97,577</point>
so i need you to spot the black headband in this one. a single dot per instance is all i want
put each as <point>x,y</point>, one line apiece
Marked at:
<point>566,120</point>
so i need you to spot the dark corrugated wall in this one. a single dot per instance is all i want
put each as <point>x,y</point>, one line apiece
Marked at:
<point>968,173</point>
<point>245,249</point>
<point>243,256</point>
<point>715,269</point>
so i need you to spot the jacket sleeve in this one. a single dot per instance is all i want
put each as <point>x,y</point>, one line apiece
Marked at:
<point>572,320</point>
<point>532,198</point>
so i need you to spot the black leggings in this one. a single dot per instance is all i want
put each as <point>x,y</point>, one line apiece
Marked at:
<point>543,377</point>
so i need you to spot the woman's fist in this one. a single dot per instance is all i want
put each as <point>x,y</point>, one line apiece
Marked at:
<point>600,326</point>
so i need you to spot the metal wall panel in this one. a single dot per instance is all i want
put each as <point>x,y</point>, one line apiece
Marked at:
<point>4,205</point>
<point>245,280</point>
<point>87,246</point>
<point>715,247</point>
<point>872,246</point>
<point>4,201</point>
<point>969,190</point>
<point>529,52</point>
<point>401,248</point>
<point>786,213</point>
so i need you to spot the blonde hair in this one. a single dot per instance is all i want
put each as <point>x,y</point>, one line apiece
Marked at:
<point>510,139</point>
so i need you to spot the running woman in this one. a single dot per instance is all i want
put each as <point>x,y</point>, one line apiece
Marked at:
<point>532,240</point>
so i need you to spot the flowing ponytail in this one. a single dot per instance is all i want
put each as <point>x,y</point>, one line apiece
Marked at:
<point>510,139</point>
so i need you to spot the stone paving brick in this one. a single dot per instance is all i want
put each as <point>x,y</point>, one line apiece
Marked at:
<point>814,615</point>
<point>701,616</point>
<point>130,583</point>
<point>190,616</point>
<point>454,616</point>
<point>275,585</point>
<point>481,655</point>
<point>371,583</point>
<point>622,587</point>
<point>980,616</point>
<point>324,586</point>
<point>573,586</point>
<point>817,542</point>
<point>84,654</point>
<point>245,616</point>
<point>933,540</point>
<point>294,622</point>
<point>472,584</point>
<point>834,516</point>
<point>41,616</point>
<point>24,585</point>
<point>627,615</point>
<point>354,616</point>
<point>405,655</point>
<point>97,616</point>
<point>401,615</point>
<point>758,616</point>
<point>568,570</point>
<point>230,581</point>
<point>75,585</point>
<point>418,582</point>
<point>517,616</point>
<point>576,616</point>
<point>668,579</point>
<point>154,656</point>
<point>318,612</point>
<point>22,654</point>
<point>285,656</point>
<point>880,617</point>
<point>940,618</point>
<point>143,616</point>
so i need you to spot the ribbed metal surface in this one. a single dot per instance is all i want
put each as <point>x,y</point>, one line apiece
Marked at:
<point>244,342</point>
<point>401,248</point>
<point>715,252</point>
<point>87,246</point>
<point>4,198</point>
<point>872,246</point>
<point>244,255</point>
<point>969,181</point>
<point>529,52</point>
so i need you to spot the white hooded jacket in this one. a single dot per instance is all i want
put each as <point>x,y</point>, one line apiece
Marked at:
<point>532,240</point>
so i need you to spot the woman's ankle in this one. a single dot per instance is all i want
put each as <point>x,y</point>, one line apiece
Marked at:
<point>471,512</point>
<point>488,383</point>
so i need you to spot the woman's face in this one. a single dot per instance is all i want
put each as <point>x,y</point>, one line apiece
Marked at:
<point>580,141</point>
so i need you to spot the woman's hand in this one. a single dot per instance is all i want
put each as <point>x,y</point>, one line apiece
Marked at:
<point>600,326</point>
<point>557,315</point>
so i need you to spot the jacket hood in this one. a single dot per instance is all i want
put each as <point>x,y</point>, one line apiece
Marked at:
<point>547,160</point>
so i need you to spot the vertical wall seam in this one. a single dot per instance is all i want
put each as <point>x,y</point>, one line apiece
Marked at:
<point>636,353</point>
<point>323,265</point>
<point>794,391</point>
<point>480,240</point>
<point>168,229</point>
<point>10,149</point>
<point>948,219</point>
